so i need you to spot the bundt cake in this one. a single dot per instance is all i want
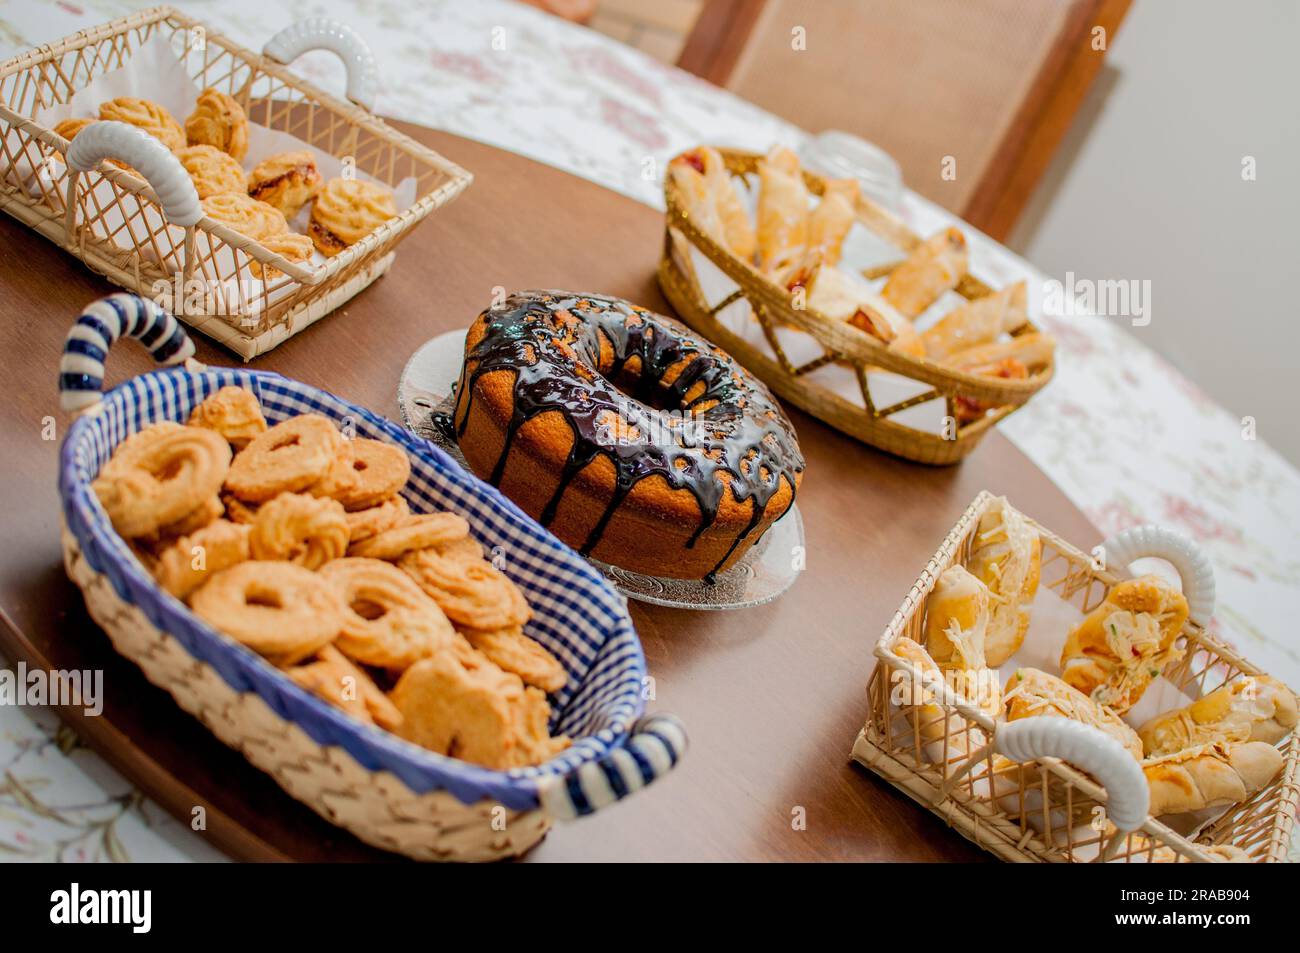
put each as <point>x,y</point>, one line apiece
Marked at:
<point>633,440</point>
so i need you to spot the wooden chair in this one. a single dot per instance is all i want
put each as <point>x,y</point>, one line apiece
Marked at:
<point>983,89</point>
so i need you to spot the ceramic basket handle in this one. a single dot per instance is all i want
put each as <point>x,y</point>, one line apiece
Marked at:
<point>325,33</point>
<point>142,152</point>
<point>81,369</point>
<point>1184,555</point>
<point>656,745</point>
<point>1089,749</point>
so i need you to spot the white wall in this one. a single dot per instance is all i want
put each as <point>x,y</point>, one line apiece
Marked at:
<point>1148,185</point>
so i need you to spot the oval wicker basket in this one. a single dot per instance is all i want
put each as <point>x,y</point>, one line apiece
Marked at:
<point>387,791</point>
<point>773,308</point>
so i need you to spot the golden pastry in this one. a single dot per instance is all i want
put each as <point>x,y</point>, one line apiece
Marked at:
<point>346,211</point>
<point>249,217</point>
<point>287,181</point>
<point>782,211</point>
<point>146,115</point>
<point>68,128</point>
<point>211,170</point>
<point>1250,708</point>
<point>293,246</point>
<point>218,121</point>
<point>935,266</point>
<point>329,675</point>
<point>711,199</point>
<point>232,412</point>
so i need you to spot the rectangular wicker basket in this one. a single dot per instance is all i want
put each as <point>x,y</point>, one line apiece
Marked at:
<point>124,237</point>
<point>773,308</point>
<point>1026,822</point>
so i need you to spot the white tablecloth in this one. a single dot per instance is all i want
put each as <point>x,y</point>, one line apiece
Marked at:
<point>1125,436</point>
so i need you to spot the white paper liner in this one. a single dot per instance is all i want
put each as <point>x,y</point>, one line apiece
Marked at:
<point>155,72</point>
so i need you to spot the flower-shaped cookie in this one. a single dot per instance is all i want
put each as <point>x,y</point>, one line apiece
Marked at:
<point>147,115</point>
<point>218,121</point>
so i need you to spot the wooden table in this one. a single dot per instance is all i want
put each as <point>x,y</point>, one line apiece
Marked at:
<point>772,697</point>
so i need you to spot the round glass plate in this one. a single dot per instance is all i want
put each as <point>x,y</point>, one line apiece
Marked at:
<point>424,397</point>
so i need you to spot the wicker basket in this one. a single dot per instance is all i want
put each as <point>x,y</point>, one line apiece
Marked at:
<point>1043,814</point>
<point>773,308</point>
<point>385,790</point>
<point>116,222</point>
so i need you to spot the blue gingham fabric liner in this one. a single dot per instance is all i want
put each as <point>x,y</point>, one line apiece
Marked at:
<point>576,614</point>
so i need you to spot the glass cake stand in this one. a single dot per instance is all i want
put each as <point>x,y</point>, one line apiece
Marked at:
<point>424,397</point>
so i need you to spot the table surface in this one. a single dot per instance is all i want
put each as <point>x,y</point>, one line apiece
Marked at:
<point>772,697</point>
<point>1119,431</point>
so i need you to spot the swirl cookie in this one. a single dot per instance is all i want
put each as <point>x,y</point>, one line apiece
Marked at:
<point>460,704</point>
<point>388,622</point>
<point>299,529</point>
<point>415,532</point>
<point>472,592</point>
<point>373,520</point>
<point>211,170</point>
<point>329,675</point>
<point>160,475</point>
<point>232,412</point>
<point>197,518</point>
<point>146,115</point>
<point>512,651</point>
<point>381,470</point>
<point>218,121</point>
<point>279,610</point>
<point>249,217</point>
<point>287,181</point>
<point>191,560</point>
<point>346,211</point>
<point>288,458</point>
<point>291,246</point>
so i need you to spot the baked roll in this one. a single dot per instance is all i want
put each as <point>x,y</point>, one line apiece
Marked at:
<point>712,200</point>
<point>1032,351</point>
<point>956,624</point>
<point>1212,775</point>
<point>932,720</point>
<point>782,211</point>
<point>1251,708</point>
<point>1124,643</point>
<point>1006,556</point>
<point>840,297</point>
<point>935,266</point>
<point>977,322</point>
<point>830,221</point>
<point>286,181</point>
<point>1032,693</point>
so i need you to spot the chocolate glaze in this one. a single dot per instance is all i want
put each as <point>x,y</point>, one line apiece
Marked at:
<point>552,342</point>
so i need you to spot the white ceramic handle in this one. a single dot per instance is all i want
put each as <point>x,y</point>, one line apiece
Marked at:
<point>325,33</point>
<point>1090,749</point>
<point>1184,555</point>
<point>148,156</point>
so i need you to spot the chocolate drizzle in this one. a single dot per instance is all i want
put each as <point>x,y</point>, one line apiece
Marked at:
<point>602,363</point>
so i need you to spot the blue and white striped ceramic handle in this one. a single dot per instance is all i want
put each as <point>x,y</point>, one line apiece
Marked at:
<point>656,745</point>
<point>81,370</point>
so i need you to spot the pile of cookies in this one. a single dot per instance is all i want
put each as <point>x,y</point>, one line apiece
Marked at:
<point>212,146</point>
<point>295,541</point>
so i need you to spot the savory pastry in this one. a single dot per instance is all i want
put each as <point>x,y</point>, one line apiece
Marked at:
<point>287,181</point>
<point>559,404</point>
<point>346,211</point>
<point>291,245</point>
<point>711,199</point>
<point>782,211</point>
<point>1249,708</point>
<point>1031,351</point>
<point>1006,556</point>
<point>935,266</point>
<point>146,115</point>
<point>232,412</point>
<point>218,121</point>
<point>831,219</point>
<point>956,624</point>
<point>1143,850</point>
<point>1032,694</point>
<point>211,170</point>
<point>249,217</point>
<point>460,704</point>
<point>976,322</point>
<point>932,721</point>
<point>1211,775</point>
<point>329,675</point>
<point>840,297</point>
<point>1124,643</point>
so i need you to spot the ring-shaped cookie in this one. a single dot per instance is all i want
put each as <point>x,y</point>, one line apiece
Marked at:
<point>289,457</point>
<point>415,532</point>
